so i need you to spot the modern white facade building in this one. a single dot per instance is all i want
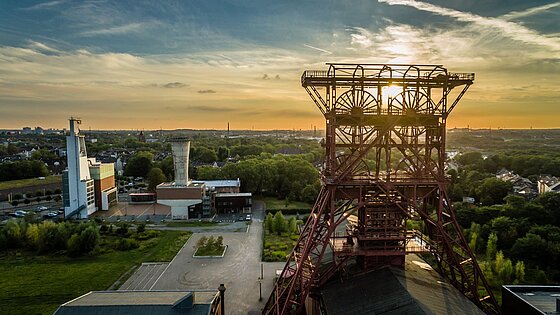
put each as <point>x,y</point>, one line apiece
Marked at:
<point>79,193</point>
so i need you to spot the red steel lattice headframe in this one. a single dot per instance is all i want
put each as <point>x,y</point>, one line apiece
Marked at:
<point>384,164</point>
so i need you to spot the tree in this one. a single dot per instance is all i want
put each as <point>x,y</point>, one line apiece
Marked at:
<point>204,154</point>
<point>292,225</point>
<point>470,158</point>
<point>492,247</point>
<point>155,177</point>
<point>167,167</point>
<point>519,272</point>
<point>139,164</point>
<point>279,223</point>
<point>503,268</point>
<point>219,242</point>
<point>89,239</point>
<point>530,247</point>
<point>269,223</point>
<point>472,242</point>
<point>223,153</point>
<point>32,235</point>
<point>211,242</point>
<point>492,191</point>
<point>48,237</point>
<point>15,233</point>
<point>201,241</point>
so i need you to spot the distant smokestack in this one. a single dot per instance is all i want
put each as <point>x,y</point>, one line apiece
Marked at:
<point>180,148</point>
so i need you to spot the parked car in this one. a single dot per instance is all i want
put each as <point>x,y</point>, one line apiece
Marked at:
<point>52,214</point>
<point>20,213</point>
<point>248,217</point>
<point>42,208</point>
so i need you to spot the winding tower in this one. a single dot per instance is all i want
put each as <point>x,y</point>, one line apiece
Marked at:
<point>384,166</point>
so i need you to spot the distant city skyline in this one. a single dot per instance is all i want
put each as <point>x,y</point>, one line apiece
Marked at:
<point>199,65</point>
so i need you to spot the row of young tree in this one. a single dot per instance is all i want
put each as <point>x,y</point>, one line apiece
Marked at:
<point>277,224</point>
<point>50,237</point>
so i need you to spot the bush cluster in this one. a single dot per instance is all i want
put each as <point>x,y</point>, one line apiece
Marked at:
<point>49,237</point>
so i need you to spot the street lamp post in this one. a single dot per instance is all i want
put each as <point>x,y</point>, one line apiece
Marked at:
<point>222,289</point>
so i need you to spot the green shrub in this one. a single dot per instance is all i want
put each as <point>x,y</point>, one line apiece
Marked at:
<point>103,229</point>
<point>15,233</point>
<point>279,255</point>
<point>152,233</point>
<point>74,245</point>
<point>122,230</point>
<point>3,241</point>
<point>124,244</point>
<point>149,243</point>
<point>140,228</point>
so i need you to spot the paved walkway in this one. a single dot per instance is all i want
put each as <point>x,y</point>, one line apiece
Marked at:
<point>239,270</point>
<point>144,277</point>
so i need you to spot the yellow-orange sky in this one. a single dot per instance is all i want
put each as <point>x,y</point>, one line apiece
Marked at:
<point>129,65</point>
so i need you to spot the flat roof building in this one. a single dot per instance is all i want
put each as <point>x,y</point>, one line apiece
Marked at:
<point>530,300</point>
<point>144,302</point>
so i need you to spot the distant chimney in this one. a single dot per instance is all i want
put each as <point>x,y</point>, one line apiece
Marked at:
<point>180,148</point>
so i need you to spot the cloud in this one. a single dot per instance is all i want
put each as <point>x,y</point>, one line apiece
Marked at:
<point>505,28</point>
<point>117,30</point>
<point>173,85</point>
<point>206,91</point>
<point>46,5</point>
<point>318,49</point>
<point>531,11</point>
<point>213,109</point>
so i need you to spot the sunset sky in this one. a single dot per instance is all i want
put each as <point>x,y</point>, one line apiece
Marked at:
<point>131,64</point>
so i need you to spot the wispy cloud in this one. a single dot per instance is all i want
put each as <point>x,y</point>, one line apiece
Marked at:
<point>506,28</point>
<point>46,5</point>
<point>531,11</point>
<point>117,30</point>
<point>174,85</point>
<point>206,91</point>
<point>318,49</point>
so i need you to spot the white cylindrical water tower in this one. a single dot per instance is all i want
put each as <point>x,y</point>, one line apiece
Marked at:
<point>180,148</point>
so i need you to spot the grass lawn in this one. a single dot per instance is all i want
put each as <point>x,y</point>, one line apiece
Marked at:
<point>273,203</point>
<point>39,284</point>
<point>11,184</point>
